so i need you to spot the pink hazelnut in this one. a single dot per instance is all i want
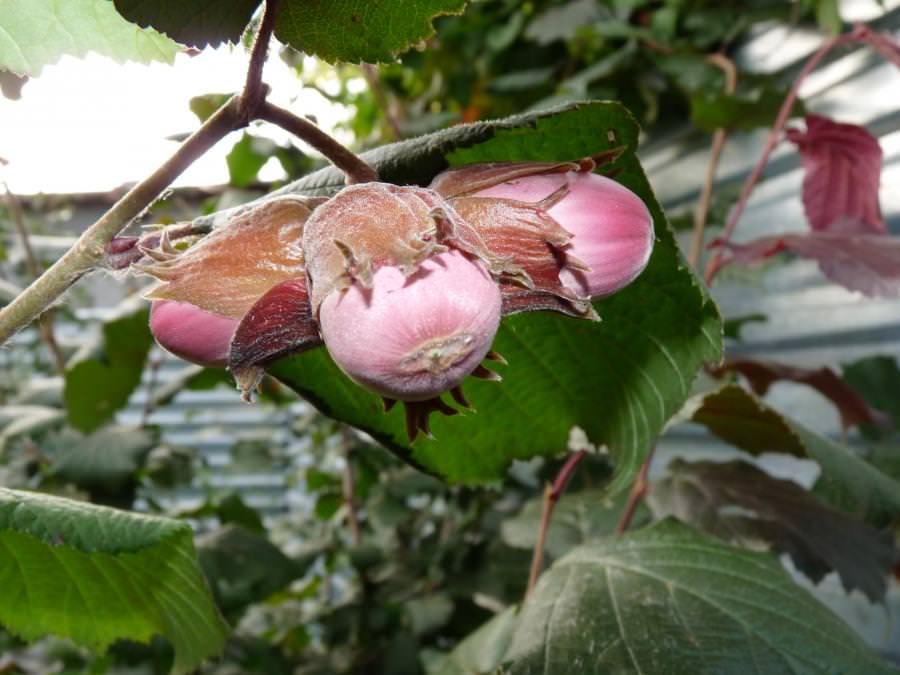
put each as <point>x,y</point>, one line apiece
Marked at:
<point>191,333</point>
<point>414,337</point>
<point>611,226</point>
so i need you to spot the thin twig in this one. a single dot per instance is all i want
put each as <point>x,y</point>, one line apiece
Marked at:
<point>720,135</point>
<point>373,79</point>
<point>858,32</point>
<point>45,322</point>
<point>90,248</point>
<point>254,90</point>
<point>348,484</point>
<point>356,170</point>
<point>638,490</point>
<point>552,494</point>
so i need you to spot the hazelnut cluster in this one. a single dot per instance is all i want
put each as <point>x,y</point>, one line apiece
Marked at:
<point>404,285</point>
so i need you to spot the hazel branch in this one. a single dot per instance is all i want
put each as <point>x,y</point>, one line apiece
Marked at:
<point>90,249</point>
<point>254,89</point>
<point>34,268</point>
<point>356,170</point>
<point>719,137</point>
<point>638,492</point>
<point>859,32</point>
<point>552,494</point>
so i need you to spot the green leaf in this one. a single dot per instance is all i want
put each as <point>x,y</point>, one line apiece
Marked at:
<point>429,612</point>
<point>243,567</point>
<point>564,21</point>
<point>620,379</point>
<point>37,33</point>
<point>197,23</point>
<point>669,601</point>
<point>877,379</point>
<point>522,80</point>
<point>745,111</point>
<point>577,518</point>
<point>482,651</point>
<point>247,157</point>
<point>31,420</point>
<point>327,505</point>
<point>743,504</point>
<point>359,30</point>
<point>848,482</point>
<point>102,375</point>
<point>732,327</point>
<point>828,14</point>
<point>204,106</point>
<point>106,459</point>
<point>97,575</point>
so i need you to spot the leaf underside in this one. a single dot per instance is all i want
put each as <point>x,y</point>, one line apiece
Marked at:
<point>669,601</point>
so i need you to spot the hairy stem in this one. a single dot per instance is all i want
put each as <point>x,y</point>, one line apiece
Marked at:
<point>719,137</point>
<point>90,248</point>
<point>254,89</point>
<point>715,263</point>
<point>34,268</point>
<point>552,494</point>
<point>638,491</point>
<point>356,170</point>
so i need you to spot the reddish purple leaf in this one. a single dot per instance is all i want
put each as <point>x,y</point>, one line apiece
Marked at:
<point>866,263</point>
<point>851,406</point>
<point>843,169</point>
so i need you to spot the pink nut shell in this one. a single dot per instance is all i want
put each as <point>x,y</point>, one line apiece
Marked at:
<point>412,338</point>
<point>611,226</point>
<point>191,333</point>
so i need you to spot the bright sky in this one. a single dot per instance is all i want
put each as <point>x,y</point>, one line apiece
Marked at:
<point>92,124</point>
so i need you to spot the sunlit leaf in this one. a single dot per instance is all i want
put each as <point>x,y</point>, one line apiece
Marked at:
<point>36,33</point>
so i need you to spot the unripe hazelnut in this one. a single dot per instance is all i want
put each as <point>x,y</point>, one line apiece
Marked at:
<point>611,227</point>
<point>414,336</point>
<point>191,333</point>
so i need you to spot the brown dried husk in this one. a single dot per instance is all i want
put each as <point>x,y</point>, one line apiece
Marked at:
<point>527,235</point>
<point>227,271</point>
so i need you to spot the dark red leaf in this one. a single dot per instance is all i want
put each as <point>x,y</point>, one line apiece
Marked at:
<point>843,169</point>
<point>869,263</point>
<point>851,406</point>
